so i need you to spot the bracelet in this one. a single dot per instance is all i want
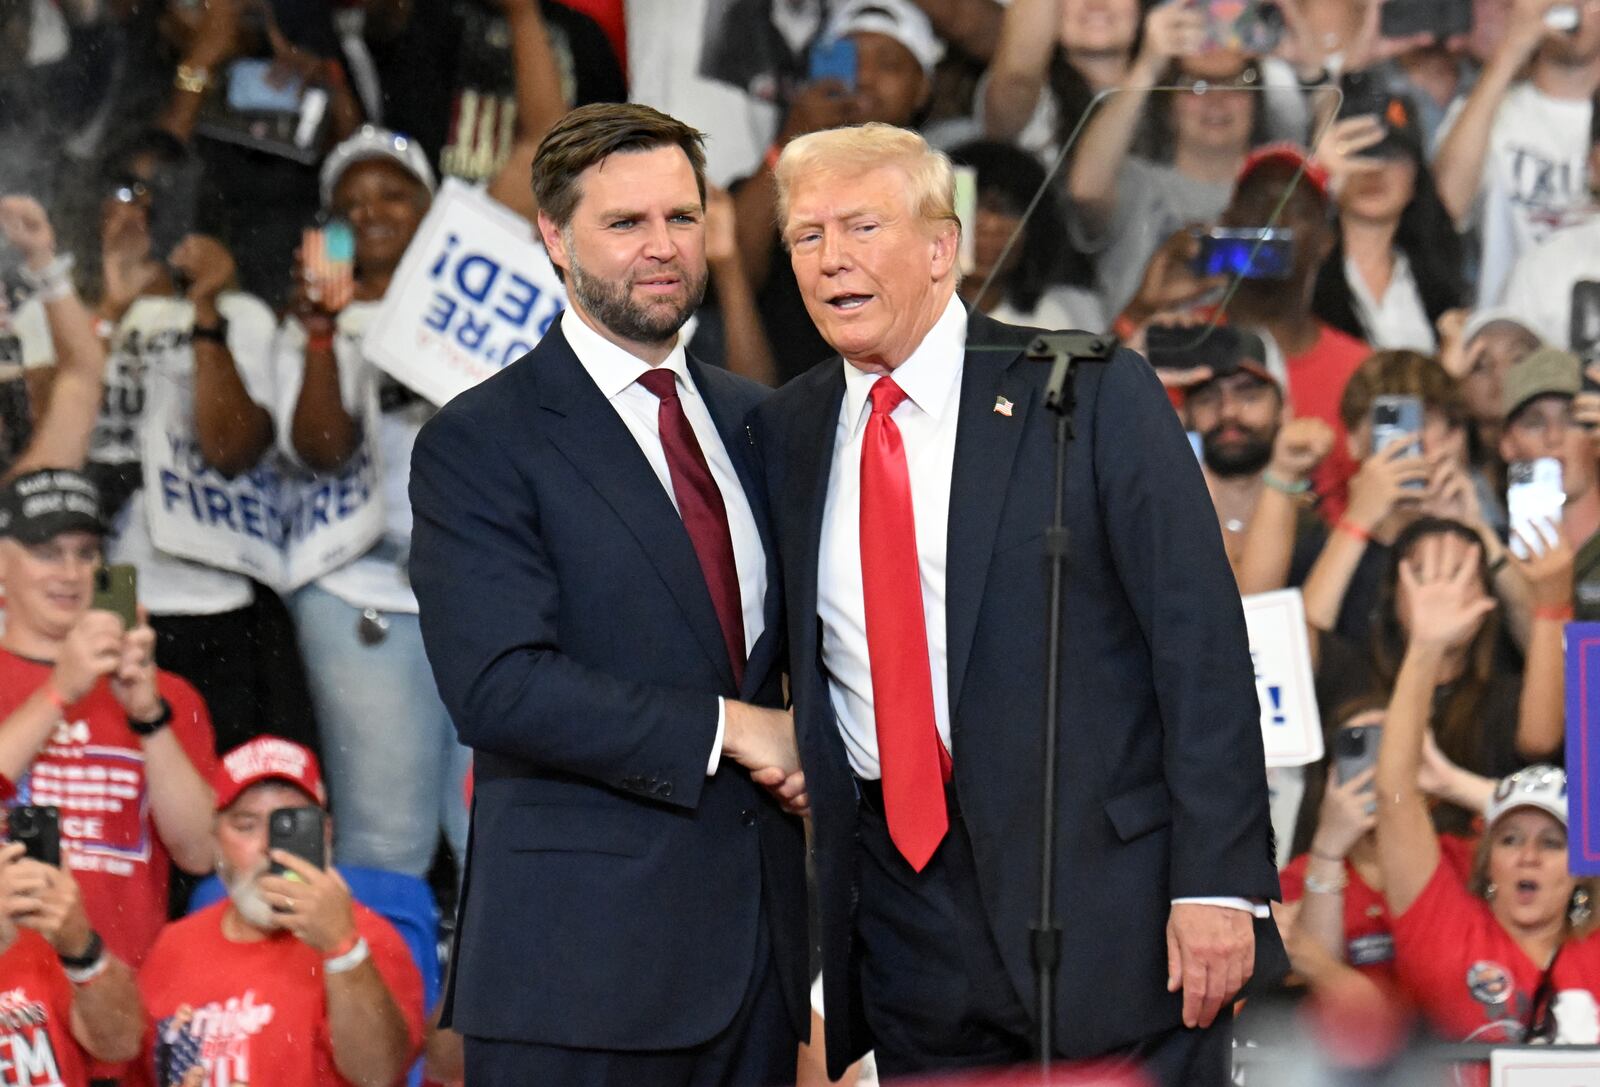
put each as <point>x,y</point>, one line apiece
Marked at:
<point>1326,887</point>
<point>1557,613</point>
<point>54,697</point>
<point>150,728</point>
<point>319,341</point>
<point>88,973</point>
<point>191,80</point>
<point>53,282</point>
<point>1350,528</point>
<point>1294,490</point>
<point>217,333</point>
<point>341,964</point>
<point>91,954</point>
<point>345,947</point>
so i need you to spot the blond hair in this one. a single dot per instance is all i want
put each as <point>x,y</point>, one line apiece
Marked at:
<point>854,150</point>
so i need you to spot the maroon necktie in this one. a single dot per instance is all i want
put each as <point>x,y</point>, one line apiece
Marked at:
<point>704,515</point>
<point>912,758</point>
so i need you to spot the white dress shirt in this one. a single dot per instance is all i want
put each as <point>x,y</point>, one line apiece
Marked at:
<point>1398,320</point>
<point>617,374</point>
<point>931,379</point>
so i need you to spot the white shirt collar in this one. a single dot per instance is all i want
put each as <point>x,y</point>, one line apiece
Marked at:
<point>930,376</point>
<point>613,369</point>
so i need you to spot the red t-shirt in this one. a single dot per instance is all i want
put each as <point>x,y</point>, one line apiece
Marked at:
<point>1316,383</point>
<point>254,1012</point>
<point>1465,971</point>
<point>93,770</point>
<point>1368,932</point>
<point>37,1048</point>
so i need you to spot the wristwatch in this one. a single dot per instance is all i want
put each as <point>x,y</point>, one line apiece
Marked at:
<point>90,956</point>
<point>150,728</point>
<point>217,333</point>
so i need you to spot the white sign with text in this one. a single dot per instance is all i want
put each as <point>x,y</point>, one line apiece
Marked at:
<point>1291,727</point>
<point>1543,1067</point>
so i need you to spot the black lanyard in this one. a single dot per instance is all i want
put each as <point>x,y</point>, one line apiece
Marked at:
<point>1541,1024</point>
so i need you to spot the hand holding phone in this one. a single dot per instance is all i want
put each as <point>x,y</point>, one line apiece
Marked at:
<point>1535,496</point>
<point>300,831</point>
<point>327,265</point>
<point>1395,418</point>
<point>116,589</point>
<point>38,828</point>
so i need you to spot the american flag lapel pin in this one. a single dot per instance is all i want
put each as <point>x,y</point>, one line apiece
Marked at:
<point>1002,406</point>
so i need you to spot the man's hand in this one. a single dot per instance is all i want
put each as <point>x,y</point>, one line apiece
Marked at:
<point>206,264</point>
<point>1381,483</point>
<point>26,226</point>
<point>91,649</point>
<point>315,908</point>
<point>790,791</point>
<point>134,683</point>
<point>762,741</point>
<point>1211,953</point>
<point>43,898</point>
<point>1169,280</point>
<point>1299,448</point>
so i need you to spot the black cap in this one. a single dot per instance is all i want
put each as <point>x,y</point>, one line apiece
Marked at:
<point>42,505</point>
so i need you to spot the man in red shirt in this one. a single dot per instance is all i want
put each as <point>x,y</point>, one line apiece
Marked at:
<point>88,723</point>
<point>64,999</point>
<point>287,981</point>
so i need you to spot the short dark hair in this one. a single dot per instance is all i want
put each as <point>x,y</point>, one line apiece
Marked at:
<point>590,134</point>
<point>1401,373</point>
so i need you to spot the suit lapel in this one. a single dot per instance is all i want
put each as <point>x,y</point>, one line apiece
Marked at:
<point>596,441</point>
<point>986,446</point>
<point>739,443</point>
<point>808,453</point>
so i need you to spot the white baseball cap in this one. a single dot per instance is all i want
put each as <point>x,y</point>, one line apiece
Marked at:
<point>898,19</point>
<point>1543,787</point>
<point>372,142</point>
<point>1481,319</point>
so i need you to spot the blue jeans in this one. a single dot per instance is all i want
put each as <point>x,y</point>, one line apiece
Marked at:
<point>394,768</point>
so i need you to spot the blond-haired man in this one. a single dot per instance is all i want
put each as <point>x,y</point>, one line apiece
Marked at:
<point>910,484</point>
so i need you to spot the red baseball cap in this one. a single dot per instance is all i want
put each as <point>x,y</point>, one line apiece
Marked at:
<point>1288,154</point>
<point>267,758</point>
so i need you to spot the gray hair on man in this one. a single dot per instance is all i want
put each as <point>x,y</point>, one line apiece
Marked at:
<point>857,149</point>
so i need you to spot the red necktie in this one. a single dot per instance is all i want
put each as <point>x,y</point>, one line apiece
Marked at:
<point>912,760</point>
<point>704,515</point>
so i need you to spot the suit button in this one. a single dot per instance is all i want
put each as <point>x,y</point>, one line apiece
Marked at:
<point>664,789</point>
<point>748,817</point>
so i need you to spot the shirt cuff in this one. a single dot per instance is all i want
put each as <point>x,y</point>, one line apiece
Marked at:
<point>1259,909</point>
<point>716,744</point>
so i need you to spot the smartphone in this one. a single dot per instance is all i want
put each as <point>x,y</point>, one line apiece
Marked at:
<point>1440,18</point>
<point>1176,347</point>
<point>38,828</point>
<point>835,60</point>
<point>1247,252</point>
<point>1583,327</point>
<point>1355,751</point>
<point>252,90</point>
<point>298,831</point>
<point>116,589</point>
<point>1562,17</point>
<point>328,256</point>
<point>1535,494</point>
<point>1398,417</point>
<point>1248,26</point>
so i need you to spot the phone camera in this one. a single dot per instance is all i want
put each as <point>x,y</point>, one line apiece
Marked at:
<point>21,823</point>
<point>283,821</point>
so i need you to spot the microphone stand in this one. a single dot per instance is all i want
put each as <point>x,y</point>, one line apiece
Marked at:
<point>1064,351</point>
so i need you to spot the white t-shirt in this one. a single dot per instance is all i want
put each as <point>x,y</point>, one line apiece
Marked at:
<point>152,344</point>
<point>1539,289</point>
<point>1059,307</point>
<point>32,327</point>
<point>378,579</point>
<point>1535,178</point>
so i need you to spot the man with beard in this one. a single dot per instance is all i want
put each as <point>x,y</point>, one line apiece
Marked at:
<point>287,979</point>
<point>1257,464</point>
<point>600,609</point>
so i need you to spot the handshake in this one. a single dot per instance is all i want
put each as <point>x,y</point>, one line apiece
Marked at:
<point>762,741</point>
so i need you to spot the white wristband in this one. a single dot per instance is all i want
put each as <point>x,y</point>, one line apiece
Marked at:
<point>54,281</point>
<point>90,972</point>
<point>349,960</point>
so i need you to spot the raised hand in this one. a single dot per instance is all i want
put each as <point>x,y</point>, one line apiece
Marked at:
<point>1441,589</point>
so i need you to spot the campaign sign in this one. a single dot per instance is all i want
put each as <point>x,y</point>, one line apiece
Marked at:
<point>1544,1066</point>
<point>276,523</point>
<point>474,292</point>
<point>1291,727</point>
<point>1583,748</point>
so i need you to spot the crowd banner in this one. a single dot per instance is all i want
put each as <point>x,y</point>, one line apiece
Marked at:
<point>1291,727</point>
<point>277,523</point>
<point>1583,748</point>
<point>474,292</point>
<point>1543,1067</point>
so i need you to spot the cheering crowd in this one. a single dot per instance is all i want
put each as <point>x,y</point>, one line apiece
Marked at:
<point>1359,251</point>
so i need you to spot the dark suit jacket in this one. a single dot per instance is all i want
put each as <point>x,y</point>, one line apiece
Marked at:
<point>613,890</point>
<point>1161,788</point>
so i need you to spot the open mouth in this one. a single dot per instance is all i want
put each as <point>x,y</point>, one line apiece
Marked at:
<point>847,303</point>
<point>1526,889</point>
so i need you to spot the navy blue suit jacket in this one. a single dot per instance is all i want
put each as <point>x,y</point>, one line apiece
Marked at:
<point>1161,787</point>
<point>613,890</point>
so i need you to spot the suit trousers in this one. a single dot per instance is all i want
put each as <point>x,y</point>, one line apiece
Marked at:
<point>936,995</point>
<point>758,1048</point>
